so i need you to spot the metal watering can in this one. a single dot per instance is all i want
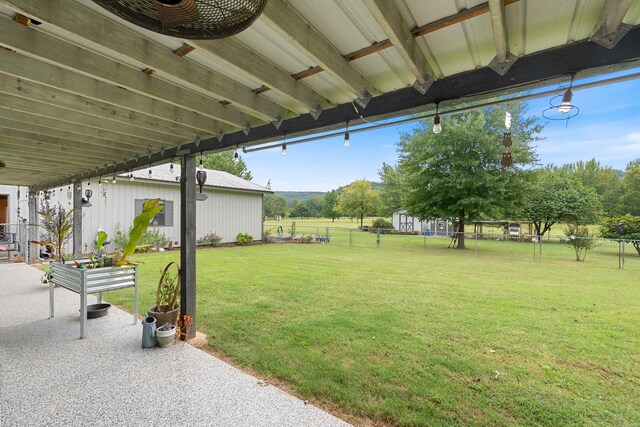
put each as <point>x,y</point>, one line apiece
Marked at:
<point>149,329</point>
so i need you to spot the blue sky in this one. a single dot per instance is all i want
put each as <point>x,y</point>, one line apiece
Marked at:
<point>607,128</point>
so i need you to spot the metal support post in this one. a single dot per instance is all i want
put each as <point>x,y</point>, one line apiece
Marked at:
<point>77,220</point>
<point>33,227</point>
<point>350,237</point>
<point>188,241</point>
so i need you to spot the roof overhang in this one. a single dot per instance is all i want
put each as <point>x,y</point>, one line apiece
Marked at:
<point>85,94</point>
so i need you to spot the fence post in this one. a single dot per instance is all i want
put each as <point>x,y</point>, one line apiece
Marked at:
<point>540,248</point>
<point>425,242</point>
<point>475,235</point>
<point>623,242</point>
<point>351,237</point>
<point>327,231</point>
<point>378,237</point>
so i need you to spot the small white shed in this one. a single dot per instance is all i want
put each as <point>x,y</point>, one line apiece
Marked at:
<point>405,223</point>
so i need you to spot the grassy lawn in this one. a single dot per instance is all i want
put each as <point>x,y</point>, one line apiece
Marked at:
<point>403,336</point>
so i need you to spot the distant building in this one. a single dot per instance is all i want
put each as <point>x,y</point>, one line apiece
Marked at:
<point>405,223</point>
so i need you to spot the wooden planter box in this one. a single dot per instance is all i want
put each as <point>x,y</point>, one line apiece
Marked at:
<point>92,281</point>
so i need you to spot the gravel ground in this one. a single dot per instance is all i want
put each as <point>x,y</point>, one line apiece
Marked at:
<point>49,377</point>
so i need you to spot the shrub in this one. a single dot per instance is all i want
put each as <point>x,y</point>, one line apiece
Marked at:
<point>210,239</point>
<point>625,228</point>
<point>382,224</point>
<point>150,239</point>
<point>306,239</point>
<point>580,240</point>
<point>244,239</point>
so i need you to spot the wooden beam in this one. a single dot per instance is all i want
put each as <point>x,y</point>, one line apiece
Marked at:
<point>87,24</point>
<point>91,135</point>
<point>20,147</point>
<point>188,241</point>
<point>388,17</point>
<point>288,23</point>
<point>14,86</point>
<point>612,30</point>
<point>60,146</point>
<point>613,14</point>
<point>54,51</point>
<point>153,138</point>
<point>33,70</point>
<point>255,66</point>
<point>77,220</point>
<point>499,26</point>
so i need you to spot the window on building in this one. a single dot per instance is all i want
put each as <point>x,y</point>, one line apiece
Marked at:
<point>164,218</point>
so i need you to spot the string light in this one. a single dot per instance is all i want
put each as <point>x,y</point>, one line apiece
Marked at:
<point>150,173</point>
<point>236,157</point>
<point>171,167</point>
<point>113,180</point>
<point>346,136</point>
<point>131,178</point>
<point>284,150</point>
<point>437,127</point>
<point>201,162</point>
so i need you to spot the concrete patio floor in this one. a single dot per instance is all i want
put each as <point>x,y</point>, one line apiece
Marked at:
<point>49,377</point>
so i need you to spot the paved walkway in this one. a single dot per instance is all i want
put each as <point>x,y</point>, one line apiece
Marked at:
<point>49,377</point>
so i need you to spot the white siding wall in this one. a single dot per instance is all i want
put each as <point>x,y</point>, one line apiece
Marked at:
<point>225,212</point>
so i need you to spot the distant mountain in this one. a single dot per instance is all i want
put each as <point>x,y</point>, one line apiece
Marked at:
<point>290,196</point>
<point>374,185</point>
<point>619,173</point>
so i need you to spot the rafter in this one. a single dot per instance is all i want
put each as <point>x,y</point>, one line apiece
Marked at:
<point>46,48</point>
<point>27,68</point>
<point>504,59</point>
<point>612,30</point>
<point>22,88</point>
<point>65,115</point>
<point>286,22</point>
<point>56,127</point>
<point>388,17</point>
<point>249,63</point>
<point>87,24</point>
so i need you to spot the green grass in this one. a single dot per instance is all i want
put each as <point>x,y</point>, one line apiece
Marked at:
<point>404,336</point>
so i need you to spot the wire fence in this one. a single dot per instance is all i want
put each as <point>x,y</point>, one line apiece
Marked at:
<point>617,253</point>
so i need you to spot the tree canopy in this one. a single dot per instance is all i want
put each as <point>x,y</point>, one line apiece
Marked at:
<point>457,173</point>
<point>275,205</point>
<point>630,200</point>
<point>392,188</point>
<point>224,162</point>
<point>359,200</point>
<point>557,196</point>
<point>330,205</point>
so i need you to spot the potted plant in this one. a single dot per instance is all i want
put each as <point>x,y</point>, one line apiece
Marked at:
<point>57,224</point>
<point>166,309</point>
<point>150,209</point>
<point>166,335</point>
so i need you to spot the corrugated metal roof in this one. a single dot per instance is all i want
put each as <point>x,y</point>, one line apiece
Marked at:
<point>215,178</point>
<point>76,77</point>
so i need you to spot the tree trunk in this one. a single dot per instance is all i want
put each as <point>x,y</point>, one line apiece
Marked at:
<point>361,220</point>
<point>461,230</point>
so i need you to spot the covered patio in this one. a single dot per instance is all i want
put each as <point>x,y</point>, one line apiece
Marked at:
<point>49,377</point>
<point>85,95</point>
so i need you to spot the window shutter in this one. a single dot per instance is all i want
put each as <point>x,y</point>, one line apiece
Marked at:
<point>138,207</point>
<point>168,212</point>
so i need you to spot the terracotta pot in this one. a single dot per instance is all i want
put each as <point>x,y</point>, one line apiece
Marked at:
<point>162,317</point>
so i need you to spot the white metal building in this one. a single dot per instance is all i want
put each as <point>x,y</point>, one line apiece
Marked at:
<point>233,206</point>
<point>404,222</point>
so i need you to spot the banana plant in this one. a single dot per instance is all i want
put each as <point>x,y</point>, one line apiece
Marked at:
<point>150,209</point>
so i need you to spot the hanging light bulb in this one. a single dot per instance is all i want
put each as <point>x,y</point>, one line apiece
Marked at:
<point>284,150</point>
<point>100,182</point>
<point>236,157</point>
<point>131,178</point>
<point>565,106</point>
<point>346,136</point>
<point>171,167</point>
<point>437,127</point>
<point>150,173</point>
<point>507,120</point>
<point>201,162</point>
<point>113,180</point>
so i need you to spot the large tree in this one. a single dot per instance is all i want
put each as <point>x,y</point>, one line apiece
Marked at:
<point>330,204</point>
<point>457,174</point>
<point>359,200</point>
<point>603,179</point>
<point>556,196</point>
<point>630,201</point>
<point>391,191</point>
<point>275,205</point>
<point>224,162</point>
